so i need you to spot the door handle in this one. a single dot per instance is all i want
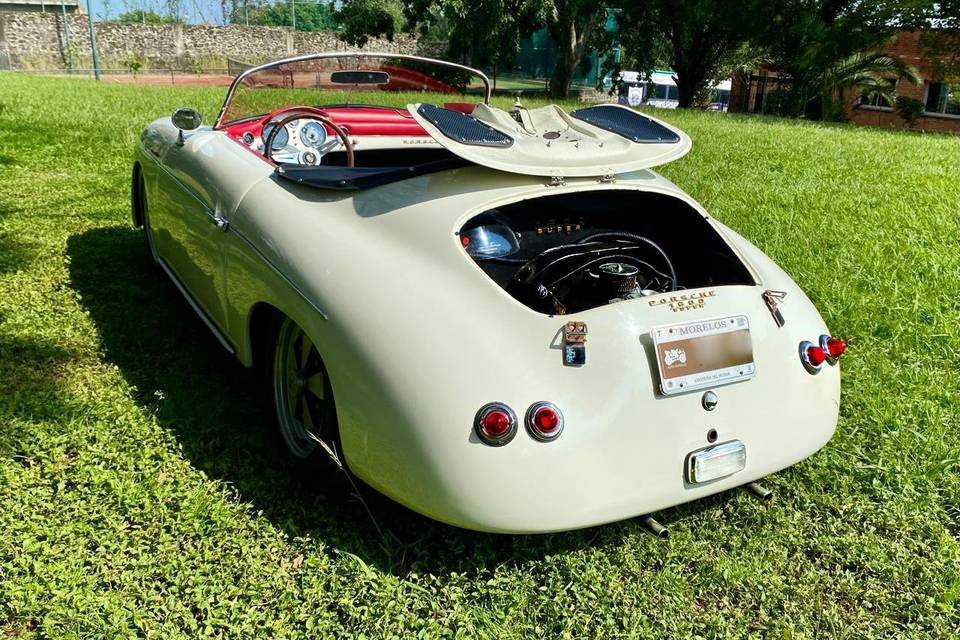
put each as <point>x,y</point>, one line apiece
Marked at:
<point>219,221</point>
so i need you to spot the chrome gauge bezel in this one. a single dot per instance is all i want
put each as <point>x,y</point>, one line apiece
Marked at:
<point>311,125</point>
<point>280,141</point>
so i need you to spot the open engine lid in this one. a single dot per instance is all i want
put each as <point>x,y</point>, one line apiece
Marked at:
<point>601,140</point>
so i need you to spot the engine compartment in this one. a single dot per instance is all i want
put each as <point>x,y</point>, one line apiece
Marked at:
<point>567,253</point>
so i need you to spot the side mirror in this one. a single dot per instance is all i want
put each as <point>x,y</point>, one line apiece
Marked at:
<point>185,119</point>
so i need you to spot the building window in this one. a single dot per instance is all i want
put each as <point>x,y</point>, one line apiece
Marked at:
<point>877,98</point>
<point>942,98</point>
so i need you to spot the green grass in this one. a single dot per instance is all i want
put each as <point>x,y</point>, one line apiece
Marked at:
<point>140,495</point>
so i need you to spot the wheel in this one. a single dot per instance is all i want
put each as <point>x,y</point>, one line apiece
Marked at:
<point>140,201</point>
<point>305,411</point>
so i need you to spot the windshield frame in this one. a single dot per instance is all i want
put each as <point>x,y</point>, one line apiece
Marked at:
<point>344,54</point>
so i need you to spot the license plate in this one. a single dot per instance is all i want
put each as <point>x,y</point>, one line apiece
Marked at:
<point>718,461</point>
<point>704,353</point>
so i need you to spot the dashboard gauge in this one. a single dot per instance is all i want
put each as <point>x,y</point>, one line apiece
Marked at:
<point>280,141</point>
<point>313,134</point>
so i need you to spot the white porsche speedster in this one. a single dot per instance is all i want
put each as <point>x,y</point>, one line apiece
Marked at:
<point>502,319</point>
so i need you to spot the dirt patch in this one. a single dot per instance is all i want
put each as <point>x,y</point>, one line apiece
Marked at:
<point>193,79</point>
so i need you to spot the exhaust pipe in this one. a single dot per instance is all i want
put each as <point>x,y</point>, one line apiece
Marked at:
<point>653,527</point>
<point>758,491</point>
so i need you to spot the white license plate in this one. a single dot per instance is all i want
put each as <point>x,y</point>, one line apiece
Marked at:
<point>718,461</point>
<point>703,353</point>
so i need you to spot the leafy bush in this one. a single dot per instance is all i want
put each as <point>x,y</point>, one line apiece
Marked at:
<point>910,109</point>
<point>134,62</point>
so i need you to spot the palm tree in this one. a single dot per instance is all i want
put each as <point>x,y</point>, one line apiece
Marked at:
<point>872,73</point>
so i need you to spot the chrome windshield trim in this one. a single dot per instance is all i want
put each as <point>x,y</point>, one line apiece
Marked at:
<point>276,270</point>
<point>347,54</point>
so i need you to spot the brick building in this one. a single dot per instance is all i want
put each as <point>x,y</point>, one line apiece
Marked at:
<point>756,91</point>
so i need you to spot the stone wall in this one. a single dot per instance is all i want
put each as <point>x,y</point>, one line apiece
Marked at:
<point>36,41</point>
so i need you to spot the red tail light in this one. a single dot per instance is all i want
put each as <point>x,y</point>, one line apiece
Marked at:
<point>812,356</point>
<point>544,421</point>
<point>815,355</point>
<point>495,424</point>
<point>833,347</point>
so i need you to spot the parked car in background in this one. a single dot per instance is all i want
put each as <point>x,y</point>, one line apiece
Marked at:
<point>632,88</point>
<point>720,96</point>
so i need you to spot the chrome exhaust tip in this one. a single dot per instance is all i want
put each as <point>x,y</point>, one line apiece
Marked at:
<point>653,527</point>
<point>758,491</point>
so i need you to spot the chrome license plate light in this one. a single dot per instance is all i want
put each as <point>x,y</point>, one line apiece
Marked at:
<point>718,461</point>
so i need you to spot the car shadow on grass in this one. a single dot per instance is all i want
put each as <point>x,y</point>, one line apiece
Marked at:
<point>214,406</point>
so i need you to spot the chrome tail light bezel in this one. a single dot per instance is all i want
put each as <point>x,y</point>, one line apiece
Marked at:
<point>824,338</point>
<point>486,410</point>
<point>812,369</point>
<point>536,433</point>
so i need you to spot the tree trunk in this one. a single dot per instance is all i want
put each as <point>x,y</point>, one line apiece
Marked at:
<point>565,36</point>
<point>687,88</point>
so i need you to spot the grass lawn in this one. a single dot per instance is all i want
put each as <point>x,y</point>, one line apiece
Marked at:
<point>140,495</point>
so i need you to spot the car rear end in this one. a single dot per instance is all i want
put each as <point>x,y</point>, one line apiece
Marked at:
<point>487,408</point>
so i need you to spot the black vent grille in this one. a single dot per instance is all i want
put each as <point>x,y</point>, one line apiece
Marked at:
<point>463,128</point>
<point>627,123</point>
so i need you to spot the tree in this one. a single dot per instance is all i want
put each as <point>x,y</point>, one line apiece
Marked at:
<point>505,23</point>
<point>362,19</point>
<point>941,44</point>
<point>310,16</point>
<point>697,37</point>
<point>143,17</point>
<point>810,42</point>
<point>573,25</point>
<point>869,73</point>
<point>489,32</point>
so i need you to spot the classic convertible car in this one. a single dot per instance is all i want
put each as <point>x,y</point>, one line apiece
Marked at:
<point>500,318</point>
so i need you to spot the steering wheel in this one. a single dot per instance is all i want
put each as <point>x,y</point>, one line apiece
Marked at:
<point>310,113</point>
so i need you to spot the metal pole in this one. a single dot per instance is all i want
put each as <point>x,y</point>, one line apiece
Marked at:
<point>293,13</point>
<point>93,42</point>
<point>66,36</point>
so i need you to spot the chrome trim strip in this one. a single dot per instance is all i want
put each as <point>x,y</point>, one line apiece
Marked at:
<point>279,273</point>
<point>345,54</point>
<point>196,307</point>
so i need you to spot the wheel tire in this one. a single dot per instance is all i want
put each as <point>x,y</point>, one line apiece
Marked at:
<point>141,202</point>
<point>304,408</point>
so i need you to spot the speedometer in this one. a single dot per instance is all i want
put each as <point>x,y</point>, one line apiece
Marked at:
<point>281,139</point>
<point>313,134</point>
